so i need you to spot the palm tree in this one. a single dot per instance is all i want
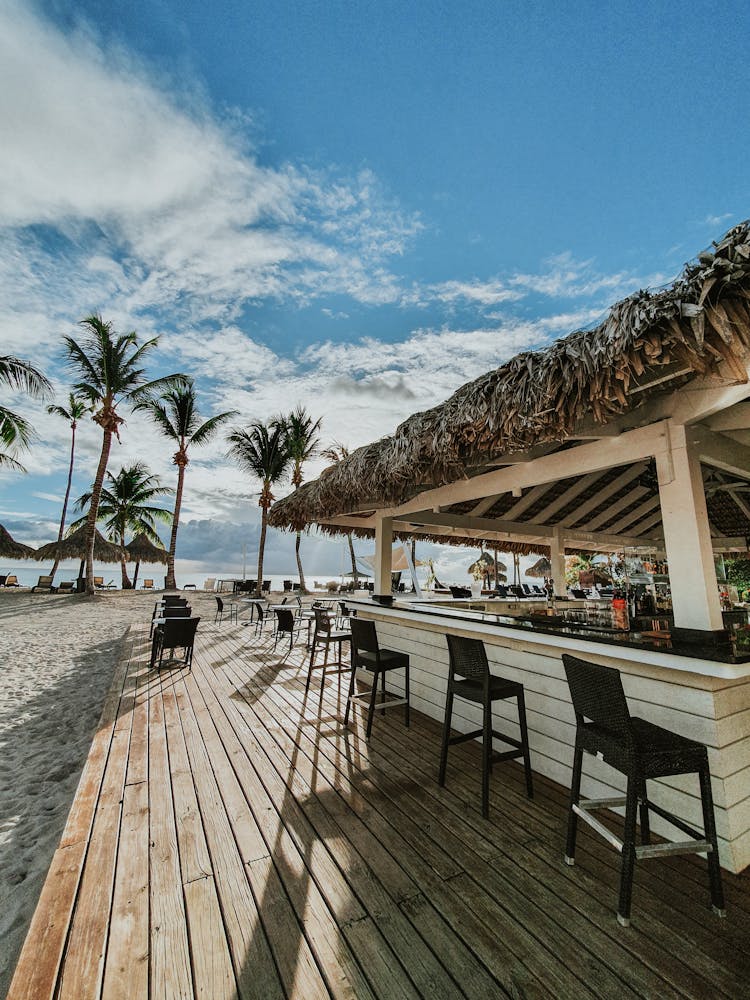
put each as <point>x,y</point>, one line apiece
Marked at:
<point>15,430</point>
<point>108,365</point>
<point>302,442</point>
<point>125,506</point>
<point>336,452</point>
<point>76,409</point>
<point>261,451</point>
<point>176,415</point>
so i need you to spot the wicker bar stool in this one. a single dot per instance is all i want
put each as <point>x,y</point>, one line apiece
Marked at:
<point>640,750</point>
<point>469,677</point>
<point>367,654</point>
<point>325,635</point>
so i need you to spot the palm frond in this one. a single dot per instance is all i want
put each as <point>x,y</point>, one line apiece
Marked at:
<point>22,375</point>
<point>15,431</point>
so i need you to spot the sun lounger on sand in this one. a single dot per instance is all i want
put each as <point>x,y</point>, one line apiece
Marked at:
<point>44,583</point>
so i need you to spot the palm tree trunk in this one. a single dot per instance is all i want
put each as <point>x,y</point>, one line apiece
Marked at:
<point>96,493</point>
<point>135,575</point>
<point>126,584</point>
<point>302,587</point>
<point>170,580</point>
<point>61,532</point>
<point>261,546</point>
<point>355,574</point>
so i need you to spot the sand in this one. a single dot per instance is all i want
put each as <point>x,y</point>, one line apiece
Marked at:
<point>57,658</point>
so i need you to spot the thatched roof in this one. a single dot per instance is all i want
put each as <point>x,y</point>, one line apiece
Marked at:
<point>684,330</point>
<point>74,547</point>
<point>142,549</point>
<point>11,549</point>
<point>541,568</point>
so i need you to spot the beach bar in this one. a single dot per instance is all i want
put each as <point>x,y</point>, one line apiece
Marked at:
<point>634,435</point>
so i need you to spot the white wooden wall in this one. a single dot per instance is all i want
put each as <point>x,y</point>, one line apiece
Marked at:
<point>712,710</point>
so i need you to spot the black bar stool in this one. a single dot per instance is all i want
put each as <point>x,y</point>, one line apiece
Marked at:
<point>368,655</point>
<point>640,750</point>
<point>469,677</point>
<point>325,635</point>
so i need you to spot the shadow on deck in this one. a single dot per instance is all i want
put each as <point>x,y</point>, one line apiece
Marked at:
<point>230,839</point>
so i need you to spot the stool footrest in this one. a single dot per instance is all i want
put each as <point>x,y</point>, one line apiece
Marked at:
<point>600,828</point>
<point>673,847</point>
<point>602,803</point>
<point>364,700</point>
<point>696,846</point>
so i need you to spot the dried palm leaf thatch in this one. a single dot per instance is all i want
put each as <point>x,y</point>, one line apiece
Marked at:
<point>541,568</point>
<point>699,322</point>
<point>11,549</point>
<point>142,549</point>
<point>74,547</point>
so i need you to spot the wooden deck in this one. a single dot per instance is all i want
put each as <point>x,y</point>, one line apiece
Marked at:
<point>230,839</point>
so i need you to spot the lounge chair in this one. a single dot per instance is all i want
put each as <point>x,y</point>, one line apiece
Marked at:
<point>44,583</point>
<point>148,584</point>
<point>11,581</point>
<point>67,587</point>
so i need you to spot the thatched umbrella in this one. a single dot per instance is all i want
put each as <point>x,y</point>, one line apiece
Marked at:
<point>74,547</point>
<point>541,568</point>
<point>142,549</point>
<point>11,549</point>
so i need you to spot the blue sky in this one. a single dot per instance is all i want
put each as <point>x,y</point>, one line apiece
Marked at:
<point>352,206</point>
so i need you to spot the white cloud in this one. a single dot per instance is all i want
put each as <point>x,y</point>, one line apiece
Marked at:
<point>162,203</point>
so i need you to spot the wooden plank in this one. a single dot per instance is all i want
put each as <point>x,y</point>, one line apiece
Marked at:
<point>692,971</point>
<point>574,986</point>
<point>404,756</point>
<point>212,963</point>
<point>36,972</point>
<point>401,938</point>
<point>127,961</point>
<point>83,965</point>
<point>170,971</point>
<point>294,960</point>
<point>307,873</point>
<point>251,955</point>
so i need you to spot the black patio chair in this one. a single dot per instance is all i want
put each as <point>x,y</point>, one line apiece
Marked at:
<point>641,751</point>
<point>287,623</point>
<point>174,600</point>
<point>175,633</point>
<point>169,611</point>
<point>229,609</point>
<point>469,677</point>
<point>368,655</point>
<point>326,635</point>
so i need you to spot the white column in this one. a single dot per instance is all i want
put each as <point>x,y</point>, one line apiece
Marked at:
<point>687,536</point>
<point>383,549</point>
<point>557,562</point>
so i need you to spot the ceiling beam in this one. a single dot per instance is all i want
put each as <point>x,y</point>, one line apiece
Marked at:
<point>598,498</point>
<point>721,451</point>
<point>631,446</point>
<point>615,508</point>
<point>736,418</point>
<point>581,486</point>
<point>633,516</point>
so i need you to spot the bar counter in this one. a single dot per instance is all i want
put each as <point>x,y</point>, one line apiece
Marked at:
<point>703,693</point>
